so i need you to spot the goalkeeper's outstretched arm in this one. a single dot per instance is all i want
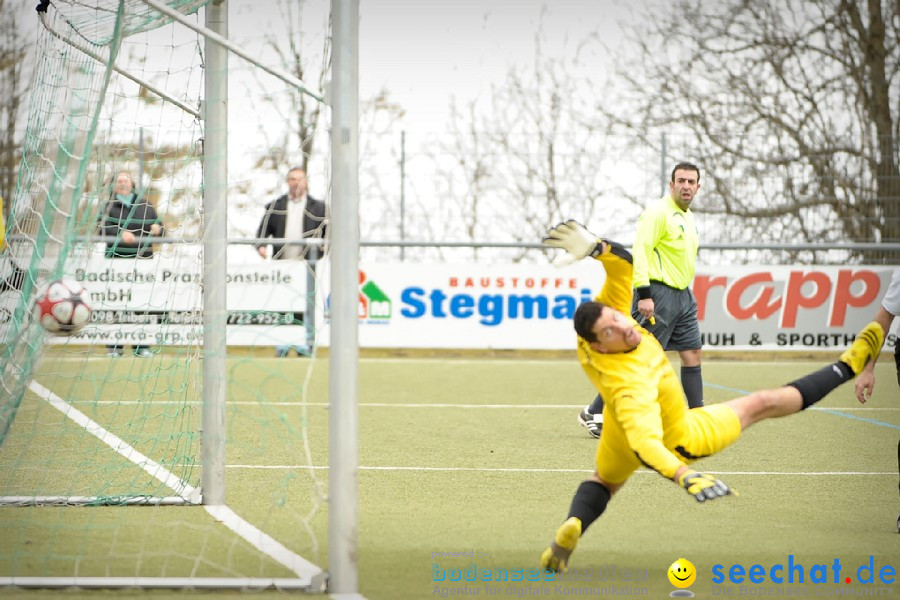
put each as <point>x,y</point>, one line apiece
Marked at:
<point>640,419</point>
<point>701,486</point>
<point>579,243</point>
<point>617,291</point>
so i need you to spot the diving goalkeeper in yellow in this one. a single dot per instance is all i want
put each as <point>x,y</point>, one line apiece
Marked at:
<point>645,418</point>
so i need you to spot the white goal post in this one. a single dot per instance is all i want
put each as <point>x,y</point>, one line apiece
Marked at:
<point>342,576</point>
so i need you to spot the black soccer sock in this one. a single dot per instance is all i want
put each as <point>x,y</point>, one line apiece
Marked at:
<point>589,503</point>
<point>14,281</point>
<point>692,382</point>
<point>897,359</point>
<point>596,407</point>
<point>816,386</point>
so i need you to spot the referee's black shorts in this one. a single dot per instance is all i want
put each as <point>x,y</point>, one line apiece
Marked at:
<point>675,312</point>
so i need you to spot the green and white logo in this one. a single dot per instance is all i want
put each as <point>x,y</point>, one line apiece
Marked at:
<point>373,302</point>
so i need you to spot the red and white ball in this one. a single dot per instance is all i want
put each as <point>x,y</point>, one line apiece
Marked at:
<point>62,307</point>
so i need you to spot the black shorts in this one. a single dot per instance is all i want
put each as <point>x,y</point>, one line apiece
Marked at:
<point>675,312</point>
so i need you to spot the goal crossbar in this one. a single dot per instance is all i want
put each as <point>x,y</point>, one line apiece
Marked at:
<point>232,47</point>
<point>149,86</point>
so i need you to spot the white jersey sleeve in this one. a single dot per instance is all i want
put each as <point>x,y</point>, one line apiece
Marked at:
<point>891,302</point>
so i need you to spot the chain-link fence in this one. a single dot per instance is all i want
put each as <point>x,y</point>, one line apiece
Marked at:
<point>438,187</point>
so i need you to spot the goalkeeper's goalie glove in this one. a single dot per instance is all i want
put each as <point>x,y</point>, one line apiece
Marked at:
<point>703,487</point>
<point>577,242</point>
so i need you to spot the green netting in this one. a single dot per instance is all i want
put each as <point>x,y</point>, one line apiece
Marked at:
<point>98,23</point>
<point>80,427</point>
<point>70,146</point>
<point>44,213</point>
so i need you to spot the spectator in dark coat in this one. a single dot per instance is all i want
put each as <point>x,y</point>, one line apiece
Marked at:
<point>130,219</point>
<point>293,216</point>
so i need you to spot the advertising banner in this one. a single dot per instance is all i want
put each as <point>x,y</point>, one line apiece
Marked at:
<point>500,306</point>
<point>158,302</point>
<point>473,306</point>
<point>531,306</point>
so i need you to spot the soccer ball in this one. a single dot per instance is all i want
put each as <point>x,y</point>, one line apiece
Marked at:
<point>61,307</point>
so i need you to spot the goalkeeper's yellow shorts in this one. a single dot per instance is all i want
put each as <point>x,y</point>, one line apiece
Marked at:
<point>709,429</point>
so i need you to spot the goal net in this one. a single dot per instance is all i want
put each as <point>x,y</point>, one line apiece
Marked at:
<point>101,432</point>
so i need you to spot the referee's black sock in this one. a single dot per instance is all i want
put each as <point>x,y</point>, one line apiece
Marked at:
<point>897,359</point>
<point>589,503</point>
<point>816,386</point>
<point>692,382</point>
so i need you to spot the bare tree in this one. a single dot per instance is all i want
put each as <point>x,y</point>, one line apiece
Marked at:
<point>528,156</point>
<point>380,156</point>
<point>306,110</point>
<point>293,52</point>
<point>793,108</point>
<point>470,177</point>
<point>288,122</point>
<point>12,92</point>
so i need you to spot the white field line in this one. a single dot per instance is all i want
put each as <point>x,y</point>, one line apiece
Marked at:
<point>402,405</point>
<point>455,361</point>
<point>153,468</point>
<point>586,471</point>
<point>222,514</point>
<point>264,542</point>
<point>572,359</point>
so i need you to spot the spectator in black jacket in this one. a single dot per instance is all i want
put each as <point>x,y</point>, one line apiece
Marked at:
<point>294,215</point>
<point>132,221</point>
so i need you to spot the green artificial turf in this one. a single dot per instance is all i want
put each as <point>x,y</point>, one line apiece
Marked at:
<point>465,466</point>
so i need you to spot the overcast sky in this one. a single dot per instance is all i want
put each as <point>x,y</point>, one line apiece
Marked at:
<point>423,53</point>
<point>426,51</point>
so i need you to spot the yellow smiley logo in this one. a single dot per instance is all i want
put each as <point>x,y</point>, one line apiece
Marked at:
<point>682,573</point>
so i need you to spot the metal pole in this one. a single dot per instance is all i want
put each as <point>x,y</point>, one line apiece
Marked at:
<point>309,312</point>
<point>402,191</point>
<point>662,166</point>
<point>343,423</point>
<point>215,234</point>
<point>140,179</point>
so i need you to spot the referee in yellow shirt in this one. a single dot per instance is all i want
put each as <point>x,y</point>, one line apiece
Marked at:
<point>665,254</point>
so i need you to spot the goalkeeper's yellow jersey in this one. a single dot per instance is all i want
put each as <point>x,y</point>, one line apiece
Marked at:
<point>642,394</point>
